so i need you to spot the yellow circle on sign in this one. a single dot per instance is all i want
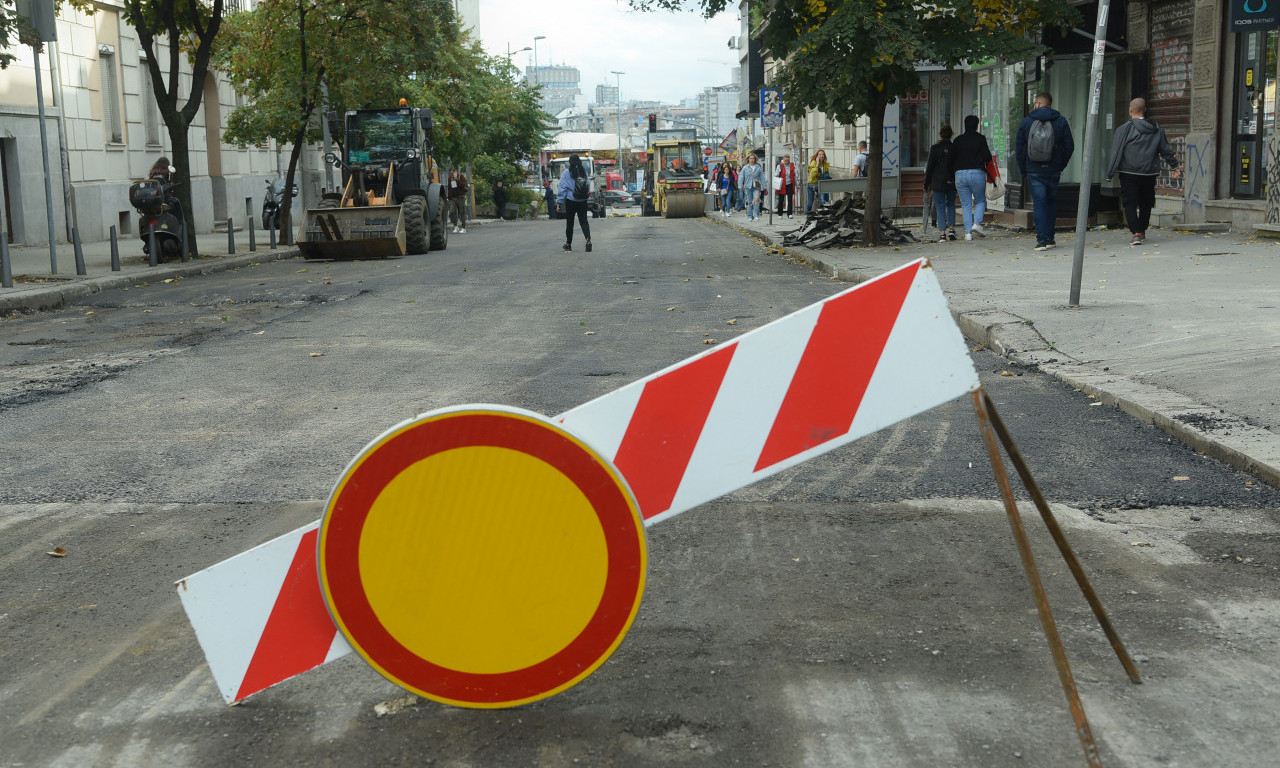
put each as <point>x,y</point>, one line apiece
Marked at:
<point>450,590</point>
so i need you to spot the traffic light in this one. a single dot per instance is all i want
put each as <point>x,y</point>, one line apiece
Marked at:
<point>653,123</point>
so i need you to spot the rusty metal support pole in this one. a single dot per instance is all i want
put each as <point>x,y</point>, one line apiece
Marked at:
<point>1059,538</point>
<point>1037,586</point>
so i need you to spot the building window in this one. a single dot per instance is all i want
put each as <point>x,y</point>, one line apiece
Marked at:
<point>848,134</point>
<point>829,132</point>
<point>150,110</point>
<point>112,117</point>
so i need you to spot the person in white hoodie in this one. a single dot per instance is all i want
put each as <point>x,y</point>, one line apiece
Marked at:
<point>1135,155</point>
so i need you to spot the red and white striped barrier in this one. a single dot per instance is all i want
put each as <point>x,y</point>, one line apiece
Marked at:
<point>850,365</point>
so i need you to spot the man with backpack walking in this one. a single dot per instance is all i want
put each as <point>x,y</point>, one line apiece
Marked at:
<point>1044,147</point>
<point>1135,155</point>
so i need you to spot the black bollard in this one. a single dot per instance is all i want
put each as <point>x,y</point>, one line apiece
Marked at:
<point>6,270</point>
<point>185,248</point>
<point>231,237</point>
<point>153,254</point>
<point>75,243</point>
<point>253,244</point>
<point>273,238</point>
<point>115,251</point>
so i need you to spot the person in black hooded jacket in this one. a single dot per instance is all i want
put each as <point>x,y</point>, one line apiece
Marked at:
<point>1135,155</point>
<point>1042,176</point>
<point>940,184</point>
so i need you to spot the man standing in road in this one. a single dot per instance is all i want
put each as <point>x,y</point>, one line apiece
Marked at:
<point>1044,147</point>
<point>1135,155</point>
<point>500,199</point>
<point>458,201</point>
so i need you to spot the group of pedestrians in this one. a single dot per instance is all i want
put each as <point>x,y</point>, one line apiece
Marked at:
<point>966,166</point>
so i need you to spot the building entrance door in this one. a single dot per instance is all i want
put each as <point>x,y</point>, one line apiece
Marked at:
<point>1254,113</point>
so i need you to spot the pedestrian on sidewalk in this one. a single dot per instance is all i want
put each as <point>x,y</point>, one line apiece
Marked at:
<point>819,169</point>
<point>860,161</point>
<point>458,201</point>
<point>970,154</point>
<point>500,199</point>
<point>575,190</point>
<point>940,185</point>
<point>1043,149</point>
<point>1135,155</point>
<point>549,196</point>
<point>728,181</point>
<point>752,181</point>
<point>786,171</point>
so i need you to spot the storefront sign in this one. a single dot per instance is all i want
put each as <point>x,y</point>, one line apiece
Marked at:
<point>1253,15</point>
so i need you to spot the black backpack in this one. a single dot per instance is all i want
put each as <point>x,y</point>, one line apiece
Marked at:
<point>1040,141</point>
<point>581,187</point>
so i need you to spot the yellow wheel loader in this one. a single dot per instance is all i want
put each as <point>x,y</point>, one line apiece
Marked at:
<point>673,183</point>
<point>392,202</point>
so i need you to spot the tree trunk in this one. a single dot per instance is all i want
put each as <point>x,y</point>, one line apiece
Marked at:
<point>286,202</point>
<point>181,159</point>
<point>875,167</point>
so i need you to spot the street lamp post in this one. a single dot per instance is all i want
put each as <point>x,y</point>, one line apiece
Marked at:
<point>511,53</point>
<point>621,168</point>
<point>535,85</point>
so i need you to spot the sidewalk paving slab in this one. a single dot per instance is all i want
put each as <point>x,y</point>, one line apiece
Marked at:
<point>1182,333</point>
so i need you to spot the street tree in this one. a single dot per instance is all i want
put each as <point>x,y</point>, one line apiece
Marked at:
<point>187,29</point>
<point>292,57</point>
<point>849,58</point>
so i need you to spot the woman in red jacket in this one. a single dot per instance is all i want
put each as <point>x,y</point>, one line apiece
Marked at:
<point>787,172</point>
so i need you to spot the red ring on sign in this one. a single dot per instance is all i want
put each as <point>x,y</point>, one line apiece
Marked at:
<point>352,501</point>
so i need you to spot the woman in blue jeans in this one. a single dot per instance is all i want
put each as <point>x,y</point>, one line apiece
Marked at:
<point>971,153</point>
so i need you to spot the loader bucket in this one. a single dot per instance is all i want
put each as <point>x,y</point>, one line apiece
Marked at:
<point>370,232</point>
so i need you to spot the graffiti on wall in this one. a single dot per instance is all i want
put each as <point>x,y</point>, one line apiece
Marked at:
<point>1170,70</point>
<point>1196,158</point>
<point>889,149</point>
<point>1165,184</point>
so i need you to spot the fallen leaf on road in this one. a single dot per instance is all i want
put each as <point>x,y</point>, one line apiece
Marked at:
<point>258,333</point>
<point>168,280</point>
<point>57,552</point>
<point>146,311</point>
<point>1007,373</point>
<point>708,341</point>
<point>304,269</point>
<point>1092,404</point>
<point>1180,477</point>
<point>711,276</point>
<point>671,309</point>
<point>1141,544</point>
<point>410,301</point>
<point>317,354</point>
<point>731,322</point>
<point>90,312</point>
<point>589,333</point>
<point>392,706</point>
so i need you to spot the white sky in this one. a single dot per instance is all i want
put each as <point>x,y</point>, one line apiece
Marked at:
<point>667,57</point>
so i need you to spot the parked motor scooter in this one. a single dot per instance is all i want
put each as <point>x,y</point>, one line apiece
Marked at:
<point>160,211</point>
<point>271,203</point>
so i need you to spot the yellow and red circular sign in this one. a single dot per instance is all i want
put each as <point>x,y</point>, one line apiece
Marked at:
<point>482,556</point>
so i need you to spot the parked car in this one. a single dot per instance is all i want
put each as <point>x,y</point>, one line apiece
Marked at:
<point>618,197</point>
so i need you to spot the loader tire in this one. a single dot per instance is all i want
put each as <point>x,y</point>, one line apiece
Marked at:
<point>415,224</point>
<point>437,217</point>
<point>328,202</point>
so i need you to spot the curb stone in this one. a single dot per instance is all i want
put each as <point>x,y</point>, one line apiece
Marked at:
<point>76,288</point>
<point>1208,430</point>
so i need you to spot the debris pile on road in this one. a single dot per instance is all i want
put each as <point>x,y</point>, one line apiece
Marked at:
<point>840,224</point>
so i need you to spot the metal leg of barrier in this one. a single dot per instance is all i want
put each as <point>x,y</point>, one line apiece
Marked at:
<point>981,406</point>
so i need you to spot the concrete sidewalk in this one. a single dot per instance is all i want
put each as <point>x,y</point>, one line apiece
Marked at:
<point>1182,332</point>
<point>37,287</point>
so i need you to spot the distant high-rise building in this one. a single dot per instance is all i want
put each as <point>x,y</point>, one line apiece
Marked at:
<point>468,14</point>
<point>606,95</point>
<point>559,86</point>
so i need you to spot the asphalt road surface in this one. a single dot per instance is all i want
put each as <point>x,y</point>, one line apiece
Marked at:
<point>867,608</point>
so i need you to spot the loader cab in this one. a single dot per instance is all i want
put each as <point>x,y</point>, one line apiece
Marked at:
<point>375,140</point>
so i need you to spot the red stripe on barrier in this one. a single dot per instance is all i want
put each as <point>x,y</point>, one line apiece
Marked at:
<point>665,427</point>
<point>836,367</point>
<point>299,631</point>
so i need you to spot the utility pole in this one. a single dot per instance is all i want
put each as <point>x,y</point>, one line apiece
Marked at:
<point>1090,135</point>
<point>621,168</point>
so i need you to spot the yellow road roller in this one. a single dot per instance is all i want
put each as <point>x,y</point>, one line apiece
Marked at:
<point>673,180</point>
